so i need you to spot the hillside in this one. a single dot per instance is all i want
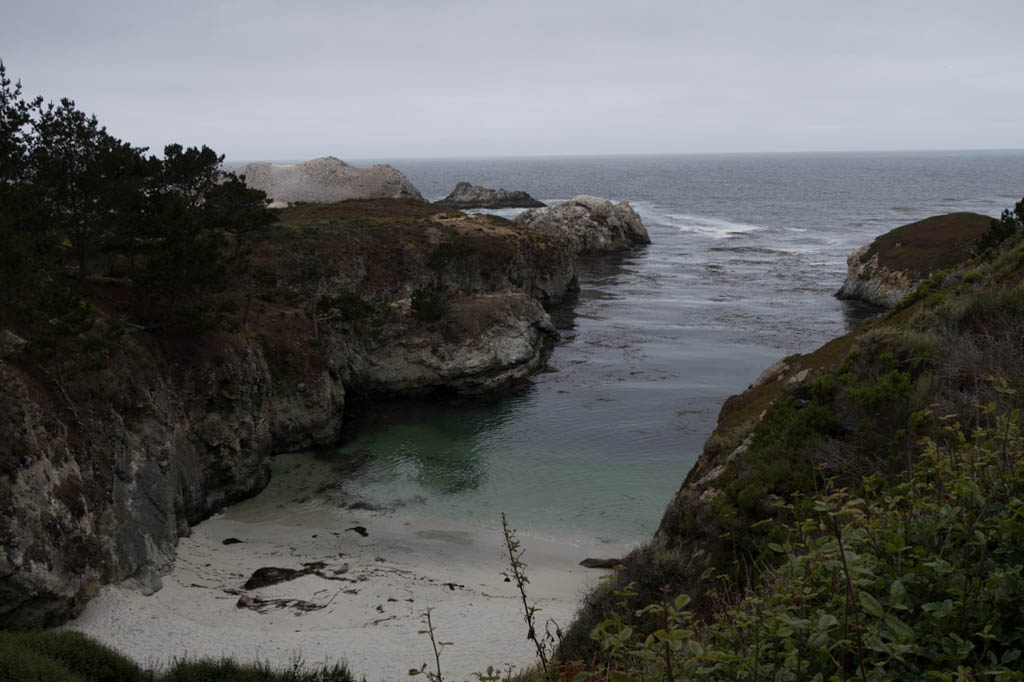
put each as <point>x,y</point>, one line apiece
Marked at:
<point>123,429</point>
<point>895,429</point>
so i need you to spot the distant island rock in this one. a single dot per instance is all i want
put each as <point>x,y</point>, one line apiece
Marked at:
<point>467,195</point>
<point>327,180</point>
<point>885,271</point>
<point>594,224</point>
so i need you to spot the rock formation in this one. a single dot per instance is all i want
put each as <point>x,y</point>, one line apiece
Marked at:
<point>326,180</point>
<point>595,225</point>
<point>885,271</point>
<point>466,195</point>
<point>103,469</point>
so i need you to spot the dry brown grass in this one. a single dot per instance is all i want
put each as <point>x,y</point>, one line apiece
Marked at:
<point>931,244</point>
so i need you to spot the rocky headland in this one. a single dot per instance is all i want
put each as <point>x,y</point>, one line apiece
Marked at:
<point>467,195</point>
<point>885,271</point>
<point>106,466</point>
<point>109,457</point>
<point>861,405</point>
<point>593,224</point>
<point>325,180</point>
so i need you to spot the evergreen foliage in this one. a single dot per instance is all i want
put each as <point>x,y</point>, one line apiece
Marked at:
<point>76,201</point>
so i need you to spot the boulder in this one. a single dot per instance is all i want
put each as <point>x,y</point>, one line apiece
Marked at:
<point>594,224</point>
<point>466,195</point>
<point>327,180</point>
<point>885,271</point>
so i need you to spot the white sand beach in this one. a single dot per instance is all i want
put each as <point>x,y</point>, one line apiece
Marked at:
<point>403,566</point>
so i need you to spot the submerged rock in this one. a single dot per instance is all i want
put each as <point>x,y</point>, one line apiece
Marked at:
<point>466,195</point>
<point>885,271</point>
<point>327,180</point>
<point>594,224</point>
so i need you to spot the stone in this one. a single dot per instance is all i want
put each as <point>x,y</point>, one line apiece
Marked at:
<point>773,373</point>
<point>10,343</point>
<point>271,575</point>
<point>600,563</point>
<point>466,195</point>
<point>595,225</point>
<point>327,180</point>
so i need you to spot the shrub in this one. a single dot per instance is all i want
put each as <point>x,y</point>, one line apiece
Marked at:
<point>430,301</point>
<point>917,580</point>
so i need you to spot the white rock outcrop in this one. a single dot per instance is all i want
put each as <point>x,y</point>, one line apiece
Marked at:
<point>327,180</point>
<point>867,280</point>
<point>596,225</point>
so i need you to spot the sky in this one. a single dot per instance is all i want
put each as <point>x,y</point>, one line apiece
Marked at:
<point>276,80</point>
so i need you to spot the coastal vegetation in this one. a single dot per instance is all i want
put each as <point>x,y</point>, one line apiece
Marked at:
<point>856,515</point>
<point>163,333</point>
<point>73,657</point>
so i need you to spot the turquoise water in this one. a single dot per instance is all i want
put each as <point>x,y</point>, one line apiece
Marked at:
<point>746,254</point>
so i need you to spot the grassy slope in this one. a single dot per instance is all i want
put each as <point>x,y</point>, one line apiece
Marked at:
<point>862,407</point>
<point>73,657</point>
<point>935,243</point>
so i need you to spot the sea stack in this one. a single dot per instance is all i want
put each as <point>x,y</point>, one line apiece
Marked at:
<point>466,195</point>
<point>594,224</point>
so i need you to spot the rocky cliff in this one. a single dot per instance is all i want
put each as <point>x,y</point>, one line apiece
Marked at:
<point>885,271</point>
<point>327,180</point>
<point>860,405</point>
<point>595,225</point>
<point>106,464</point>
<point>466,195</point>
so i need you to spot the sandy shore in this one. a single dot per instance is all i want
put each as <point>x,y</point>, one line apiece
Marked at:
<point>375,589</point>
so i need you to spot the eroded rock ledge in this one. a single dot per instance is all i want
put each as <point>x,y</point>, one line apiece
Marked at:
<point>466,195</point>
<point>103,469</point>
<point>885,271</point>
<point>594,224</point>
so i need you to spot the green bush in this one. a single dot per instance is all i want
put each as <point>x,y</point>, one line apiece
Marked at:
<point>430,301</point>
<point>913,581</point>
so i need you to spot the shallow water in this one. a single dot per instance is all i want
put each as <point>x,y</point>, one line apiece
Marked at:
<point>747,251</point>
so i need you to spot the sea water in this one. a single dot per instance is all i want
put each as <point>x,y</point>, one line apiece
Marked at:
<point>746,254</point>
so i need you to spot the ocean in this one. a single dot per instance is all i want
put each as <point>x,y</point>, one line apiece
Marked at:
<point>747,252</point>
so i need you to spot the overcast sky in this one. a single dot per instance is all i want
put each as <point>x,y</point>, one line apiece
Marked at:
<point>398,79</point>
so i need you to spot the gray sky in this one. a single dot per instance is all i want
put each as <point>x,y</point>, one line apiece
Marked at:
<point>382,78</point>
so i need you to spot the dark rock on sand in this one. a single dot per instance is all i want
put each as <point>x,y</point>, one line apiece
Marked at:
<point>600,563</point>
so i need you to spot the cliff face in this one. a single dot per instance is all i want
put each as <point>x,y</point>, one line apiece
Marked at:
<point>104,469</point>
<point>466,195</point>
<point>885,271</point>
<point>327,180</point>
<point>869,281</point>
<point>595,225</point>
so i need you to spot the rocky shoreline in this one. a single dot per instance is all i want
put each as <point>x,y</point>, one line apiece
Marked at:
<point>109,467</point>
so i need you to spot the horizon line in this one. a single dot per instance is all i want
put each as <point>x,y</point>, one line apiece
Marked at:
<point>478,157</point>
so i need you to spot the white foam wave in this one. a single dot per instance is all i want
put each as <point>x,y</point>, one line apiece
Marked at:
<point>716,227</point>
